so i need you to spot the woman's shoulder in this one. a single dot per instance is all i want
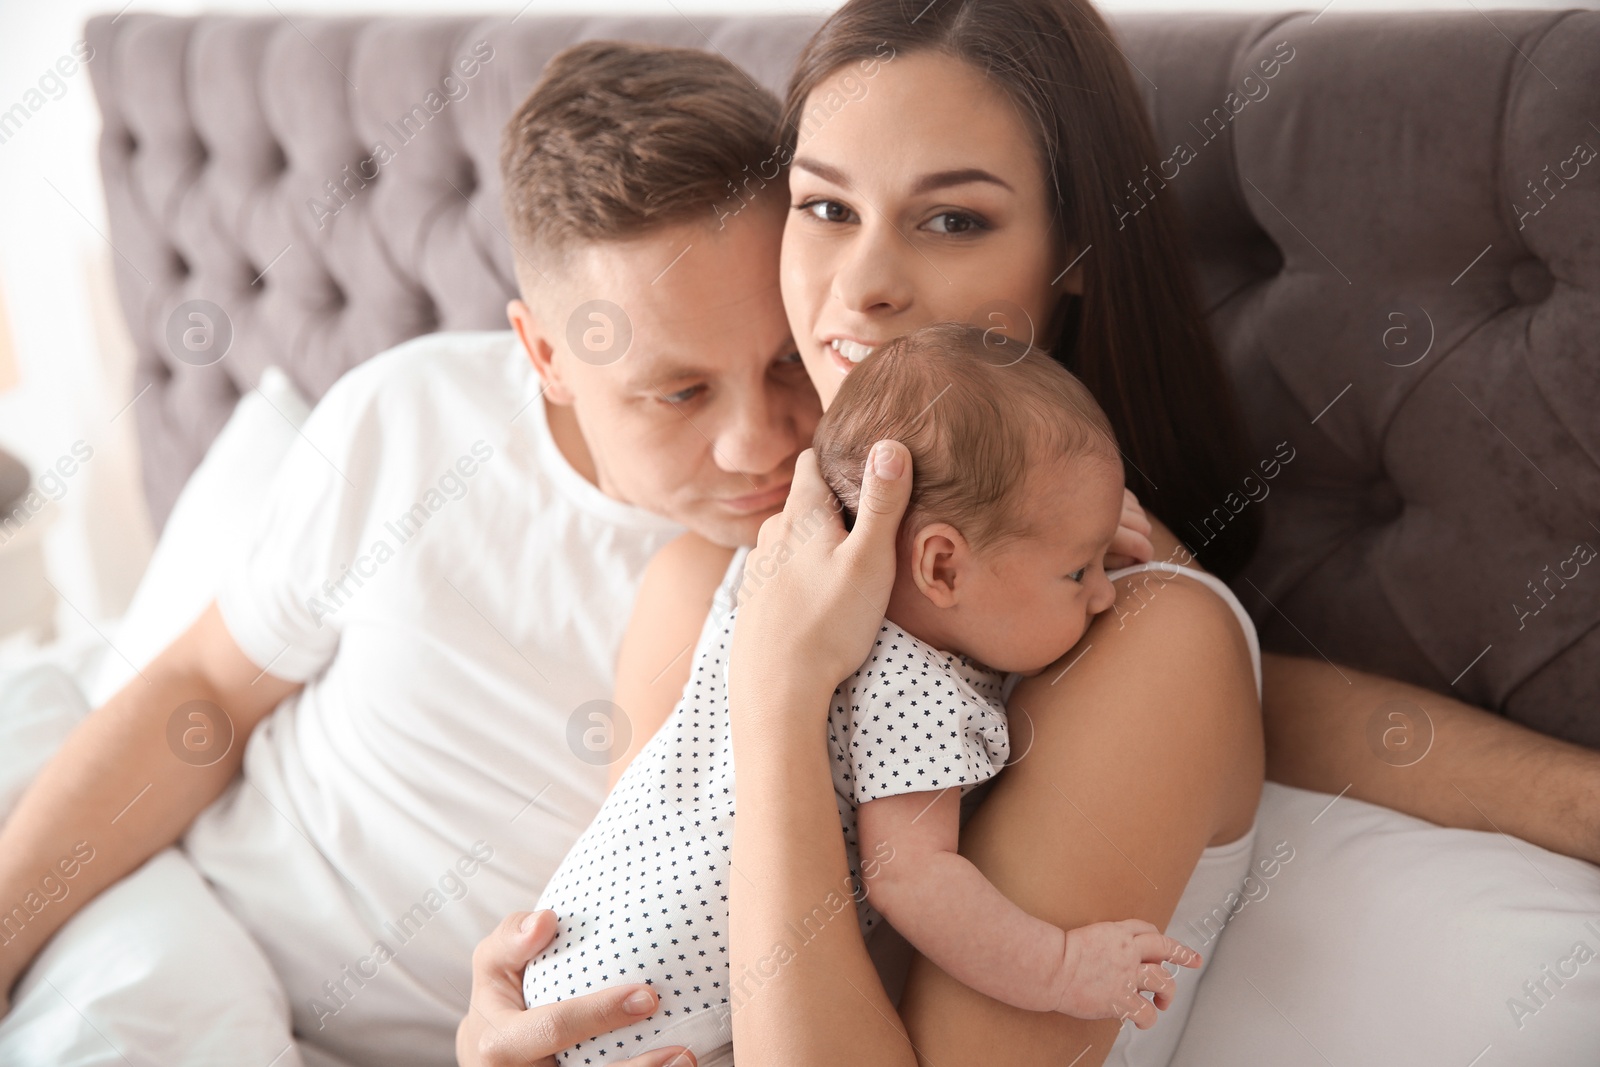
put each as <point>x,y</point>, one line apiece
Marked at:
<point>1173,625</point>
<point>1178,608</point>
<point>1179,599</point>
<point>1175,662</point>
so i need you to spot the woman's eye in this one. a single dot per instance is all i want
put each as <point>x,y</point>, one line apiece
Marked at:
<point>792,357</point>
<point>827,211</point>
<point>954,222</point>
<point>682,396</point>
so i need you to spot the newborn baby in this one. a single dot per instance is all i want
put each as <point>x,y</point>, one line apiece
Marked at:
<point>1017,492</point>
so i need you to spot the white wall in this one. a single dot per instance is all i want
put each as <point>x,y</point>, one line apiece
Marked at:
<point>74,363</point>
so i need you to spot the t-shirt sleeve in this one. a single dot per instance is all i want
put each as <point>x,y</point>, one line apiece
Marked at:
<point>908,722</point>
<point>280,600</point>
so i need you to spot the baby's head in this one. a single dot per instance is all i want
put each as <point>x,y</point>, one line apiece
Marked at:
<point>1016,491</point>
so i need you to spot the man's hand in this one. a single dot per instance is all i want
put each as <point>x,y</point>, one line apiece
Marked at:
<point>498,1030</point>
<point>1131,543</point>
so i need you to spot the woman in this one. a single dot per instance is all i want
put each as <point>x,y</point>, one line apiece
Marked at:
<point>972,179</point>
<point>955,187</point>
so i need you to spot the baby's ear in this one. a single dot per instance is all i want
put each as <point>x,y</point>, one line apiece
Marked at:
<point>938,562</point>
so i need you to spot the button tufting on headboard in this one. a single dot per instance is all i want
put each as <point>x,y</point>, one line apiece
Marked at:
<point>1395,218</point>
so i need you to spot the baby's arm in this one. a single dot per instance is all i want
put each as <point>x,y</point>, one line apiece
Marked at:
<point>953,915</point>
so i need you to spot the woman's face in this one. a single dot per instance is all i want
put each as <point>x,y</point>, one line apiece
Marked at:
<point>921,200</point>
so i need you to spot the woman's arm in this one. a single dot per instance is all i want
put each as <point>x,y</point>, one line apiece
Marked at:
<point>1480,772</point>
<point>805,992</point>
<point>658,646</point>
<point>1139,749</point>
<point>955,917</point>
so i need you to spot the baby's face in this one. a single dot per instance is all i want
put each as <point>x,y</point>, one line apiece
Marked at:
<point>1028,600</point>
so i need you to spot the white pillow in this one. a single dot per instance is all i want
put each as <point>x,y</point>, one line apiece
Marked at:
<point>1387,940</point>
<point>164,970</point>
<point>209,527</point>
<point>39,706</point>
<point>155,970</point>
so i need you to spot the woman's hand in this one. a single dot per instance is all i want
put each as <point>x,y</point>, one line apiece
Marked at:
<point>1131,544</point>
<point>499,1030</point>
<point>814,596</point>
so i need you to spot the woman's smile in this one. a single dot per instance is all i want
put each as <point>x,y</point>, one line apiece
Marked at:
<point>846,352</point>
<point>922,201</point>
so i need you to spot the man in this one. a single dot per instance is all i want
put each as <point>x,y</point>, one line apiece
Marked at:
<point>418,648</point>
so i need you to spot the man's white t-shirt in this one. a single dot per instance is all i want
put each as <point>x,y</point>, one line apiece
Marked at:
<point>452,593</point>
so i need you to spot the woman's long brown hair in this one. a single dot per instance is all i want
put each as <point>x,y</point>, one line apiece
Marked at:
<point>1137,336</point>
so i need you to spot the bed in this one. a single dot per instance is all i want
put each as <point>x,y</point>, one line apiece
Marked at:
<point>1397,235</point>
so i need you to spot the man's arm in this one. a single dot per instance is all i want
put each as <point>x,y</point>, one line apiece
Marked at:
<point>1480,771</point>
<point>118,784</point>
<point>658,647</point>
<point>1476,770</point>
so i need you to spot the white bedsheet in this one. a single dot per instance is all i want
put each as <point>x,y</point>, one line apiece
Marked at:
<point>1384,941</point>
<point>154,971</point>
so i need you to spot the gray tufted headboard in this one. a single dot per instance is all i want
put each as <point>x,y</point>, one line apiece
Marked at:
<point>1397,231</point>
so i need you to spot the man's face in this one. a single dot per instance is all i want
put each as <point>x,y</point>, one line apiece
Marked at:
<point>700,414</point>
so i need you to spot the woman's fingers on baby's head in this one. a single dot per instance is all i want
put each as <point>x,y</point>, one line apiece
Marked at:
<point>885,483</point>
<point>811,502</point>
<point>807,485</point>
<point>810,509</point>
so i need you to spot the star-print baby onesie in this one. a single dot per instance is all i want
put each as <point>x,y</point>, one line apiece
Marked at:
<point>643,895</point>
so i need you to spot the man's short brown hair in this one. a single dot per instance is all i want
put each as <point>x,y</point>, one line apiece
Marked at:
<point>974,410</point>
<point>620,138</point>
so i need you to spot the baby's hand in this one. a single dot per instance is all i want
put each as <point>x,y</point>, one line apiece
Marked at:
<point>1131,543</point>
<point>1107,966</point>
